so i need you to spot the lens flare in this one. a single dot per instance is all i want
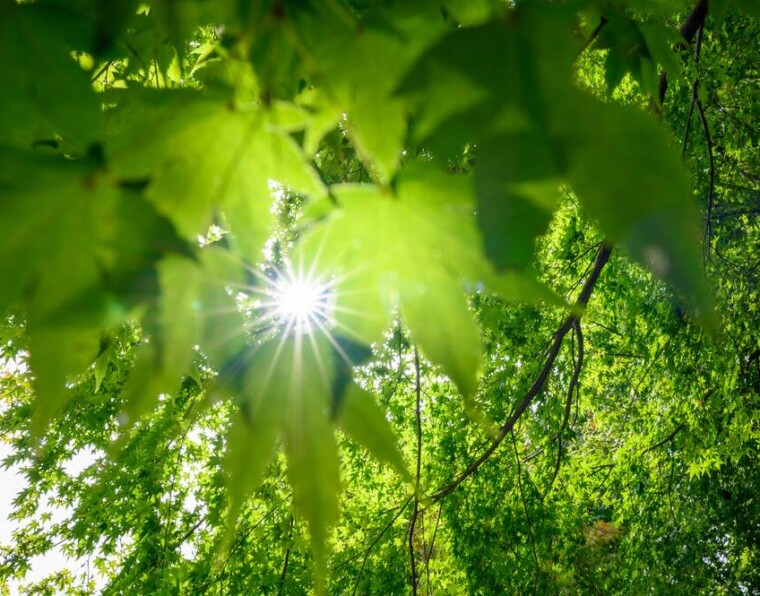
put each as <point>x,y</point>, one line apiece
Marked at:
<point>302,303</point>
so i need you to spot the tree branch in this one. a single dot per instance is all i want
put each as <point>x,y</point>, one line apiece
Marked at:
<point>602,257</point>
<point>283,575</point>
<point>711,179</point>
<point>665,440</point>
<point>694,92</point>
<point>594,34</point>
<point>416,510</point>
<point>429,553</point>
<point>568,401</point>
<point>688,30</point>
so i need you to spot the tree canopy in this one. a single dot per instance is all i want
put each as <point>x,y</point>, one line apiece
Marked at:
<point>356,296</point>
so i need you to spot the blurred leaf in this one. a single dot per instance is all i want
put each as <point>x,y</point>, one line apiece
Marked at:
<point>632,181</point>
<point>444,327</point>
<point>223,337</point>
<point>179,324</point>
<point>257,426</point>
<point>749,7</point>
<point>163,361</point>
<point>661,43</point>
<point>627,49</point>
<point>44,92</point>
<point>309,440</point>
<point>55,354</point>
<point>517,185</point>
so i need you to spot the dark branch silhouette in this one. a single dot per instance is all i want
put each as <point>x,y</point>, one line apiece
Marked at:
<point>602,257</point>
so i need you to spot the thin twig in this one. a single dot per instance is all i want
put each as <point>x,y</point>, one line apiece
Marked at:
<point>525,508</point>
<point>416,510</point>
<point>694,90</point>
<point>401,509</point>
<point>103,69</point>
<point>429,553</point>
<point>666,439</point>
<point>568,401</point>
<point>602,257</point>
<point>711,179</point>
<point>594,34</point>
<point>283,575</point>
<point>219,575</point>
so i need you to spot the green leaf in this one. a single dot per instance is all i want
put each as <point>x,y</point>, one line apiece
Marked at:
<point>90,252</point>
<point>179,279</point>
<point>224,336</point>
<point>309,440</point>
<point>661,43</point>
<point>517,185</point>
<point>749,7</point>
<point>51,241</point>
<point>106,356</point>
<point>615,68</point>
<point>347,354</point>
<point>631,179</point>
<point>457,97</point>
<point>55,355</point>
<point>201,153</point>
<point>443,326</point>
<point>435,93</point>
<point>143,387</point>
<point>182,18</point>
<point>324,116</point>
<point>257,426</point>
<point>415,250</point>
<point>365,422</point>
<point>360,69</point>
<point>287,389</point>
<point>628,52</point>
<point>471,12</point>
<point>139,236</point>
<point>165,359</point>
<point>51,214</point>
<point>44,92</point>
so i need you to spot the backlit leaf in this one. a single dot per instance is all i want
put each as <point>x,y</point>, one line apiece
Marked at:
<point>399,250</point>
<point>201,153</point>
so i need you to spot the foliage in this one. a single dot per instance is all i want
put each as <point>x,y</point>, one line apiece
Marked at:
<point>502,410</point>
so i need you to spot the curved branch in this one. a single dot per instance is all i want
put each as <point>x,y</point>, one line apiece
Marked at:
<point>602,257</point>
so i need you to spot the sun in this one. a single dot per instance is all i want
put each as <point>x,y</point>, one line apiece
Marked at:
<point>299,299</point>
<point>301,302</point>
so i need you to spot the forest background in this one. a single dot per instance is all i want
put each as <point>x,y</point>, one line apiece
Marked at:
<point>380,297</point>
